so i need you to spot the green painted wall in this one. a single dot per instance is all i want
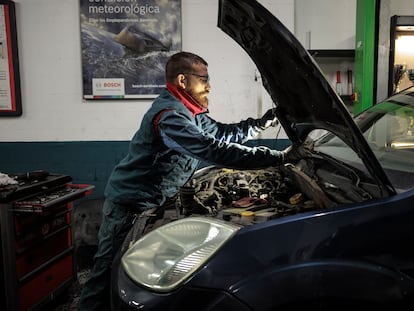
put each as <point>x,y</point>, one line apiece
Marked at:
<point>88,162</point>
<point>85,162</point>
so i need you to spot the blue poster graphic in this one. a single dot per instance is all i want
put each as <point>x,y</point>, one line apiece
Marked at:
<point>125,45</point>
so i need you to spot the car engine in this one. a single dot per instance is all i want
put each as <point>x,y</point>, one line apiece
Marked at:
<point>252,196</point>
<point>247,197</point>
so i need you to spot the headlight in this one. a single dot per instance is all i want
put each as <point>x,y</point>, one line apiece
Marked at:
<point>165,257</point>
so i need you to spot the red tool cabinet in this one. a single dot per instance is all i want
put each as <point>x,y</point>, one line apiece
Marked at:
<point>37,251</point>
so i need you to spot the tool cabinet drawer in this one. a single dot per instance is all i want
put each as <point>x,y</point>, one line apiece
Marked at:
<point>43,284</point>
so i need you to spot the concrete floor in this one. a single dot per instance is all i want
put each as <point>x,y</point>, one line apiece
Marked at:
<point>69,300</point>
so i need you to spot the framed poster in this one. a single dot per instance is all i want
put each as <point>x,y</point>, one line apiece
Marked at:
<point>10,96</point>
<point>125,45</point>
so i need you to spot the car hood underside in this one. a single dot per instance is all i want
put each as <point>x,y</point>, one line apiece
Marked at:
<point>303,97</point>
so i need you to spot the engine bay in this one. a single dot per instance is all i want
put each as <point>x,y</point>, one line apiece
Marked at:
<point>253,196</point>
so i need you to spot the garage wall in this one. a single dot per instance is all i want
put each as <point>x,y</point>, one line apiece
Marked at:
<point>87,162</point>
<point>50,66</point>
<point>62,133</point>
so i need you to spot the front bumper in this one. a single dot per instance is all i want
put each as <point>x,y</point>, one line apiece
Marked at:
<point>126,295</point>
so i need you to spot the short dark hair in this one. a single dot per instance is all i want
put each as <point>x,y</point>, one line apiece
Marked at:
<point>181,62</point>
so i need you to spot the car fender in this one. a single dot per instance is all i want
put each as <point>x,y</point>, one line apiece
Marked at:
<point>319,280</point>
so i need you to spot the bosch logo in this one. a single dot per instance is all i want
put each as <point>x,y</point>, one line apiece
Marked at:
<point>112,84</point>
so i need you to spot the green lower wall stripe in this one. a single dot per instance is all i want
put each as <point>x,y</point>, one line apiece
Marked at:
<point>87,162</point>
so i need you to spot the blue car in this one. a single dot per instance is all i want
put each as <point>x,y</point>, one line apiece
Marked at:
<point>334,231</point>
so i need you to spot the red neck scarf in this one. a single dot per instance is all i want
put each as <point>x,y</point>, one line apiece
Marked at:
<point>192,105</point>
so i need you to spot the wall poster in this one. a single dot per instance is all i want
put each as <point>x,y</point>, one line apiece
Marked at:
<point>125,45</point>
<point>10,96</point>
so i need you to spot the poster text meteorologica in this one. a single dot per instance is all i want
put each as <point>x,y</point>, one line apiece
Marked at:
<point>128,9</point>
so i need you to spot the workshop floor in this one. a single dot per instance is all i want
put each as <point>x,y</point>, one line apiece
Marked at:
<point>69,300</point>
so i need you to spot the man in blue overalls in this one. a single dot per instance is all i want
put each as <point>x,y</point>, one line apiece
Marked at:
<point>176,133</point>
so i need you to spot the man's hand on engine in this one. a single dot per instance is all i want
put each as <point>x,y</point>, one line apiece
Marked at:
<point>268,119</point>
<point>294,153</point>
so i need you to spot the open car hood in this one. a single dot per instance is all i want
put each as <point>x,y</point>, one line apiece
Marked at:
<point>304,99</point>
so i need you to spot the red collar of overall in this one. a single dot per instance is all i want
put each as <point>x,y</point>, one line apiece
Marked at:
<point>189,102</point>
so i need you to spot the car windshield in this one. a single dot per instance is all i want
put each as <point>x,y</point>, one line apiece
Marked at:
<point>388,128</point>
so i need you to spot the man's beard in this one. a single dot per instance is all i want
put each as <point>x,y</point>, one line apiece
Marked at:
<point>200,98</point>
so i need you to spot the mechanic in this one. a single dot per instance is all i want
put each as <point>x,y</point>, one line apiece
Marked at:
<point>176,133</point>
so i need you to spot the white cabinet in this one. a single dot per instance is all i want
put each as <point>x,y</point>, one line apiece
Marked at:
<point>326,24</point>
